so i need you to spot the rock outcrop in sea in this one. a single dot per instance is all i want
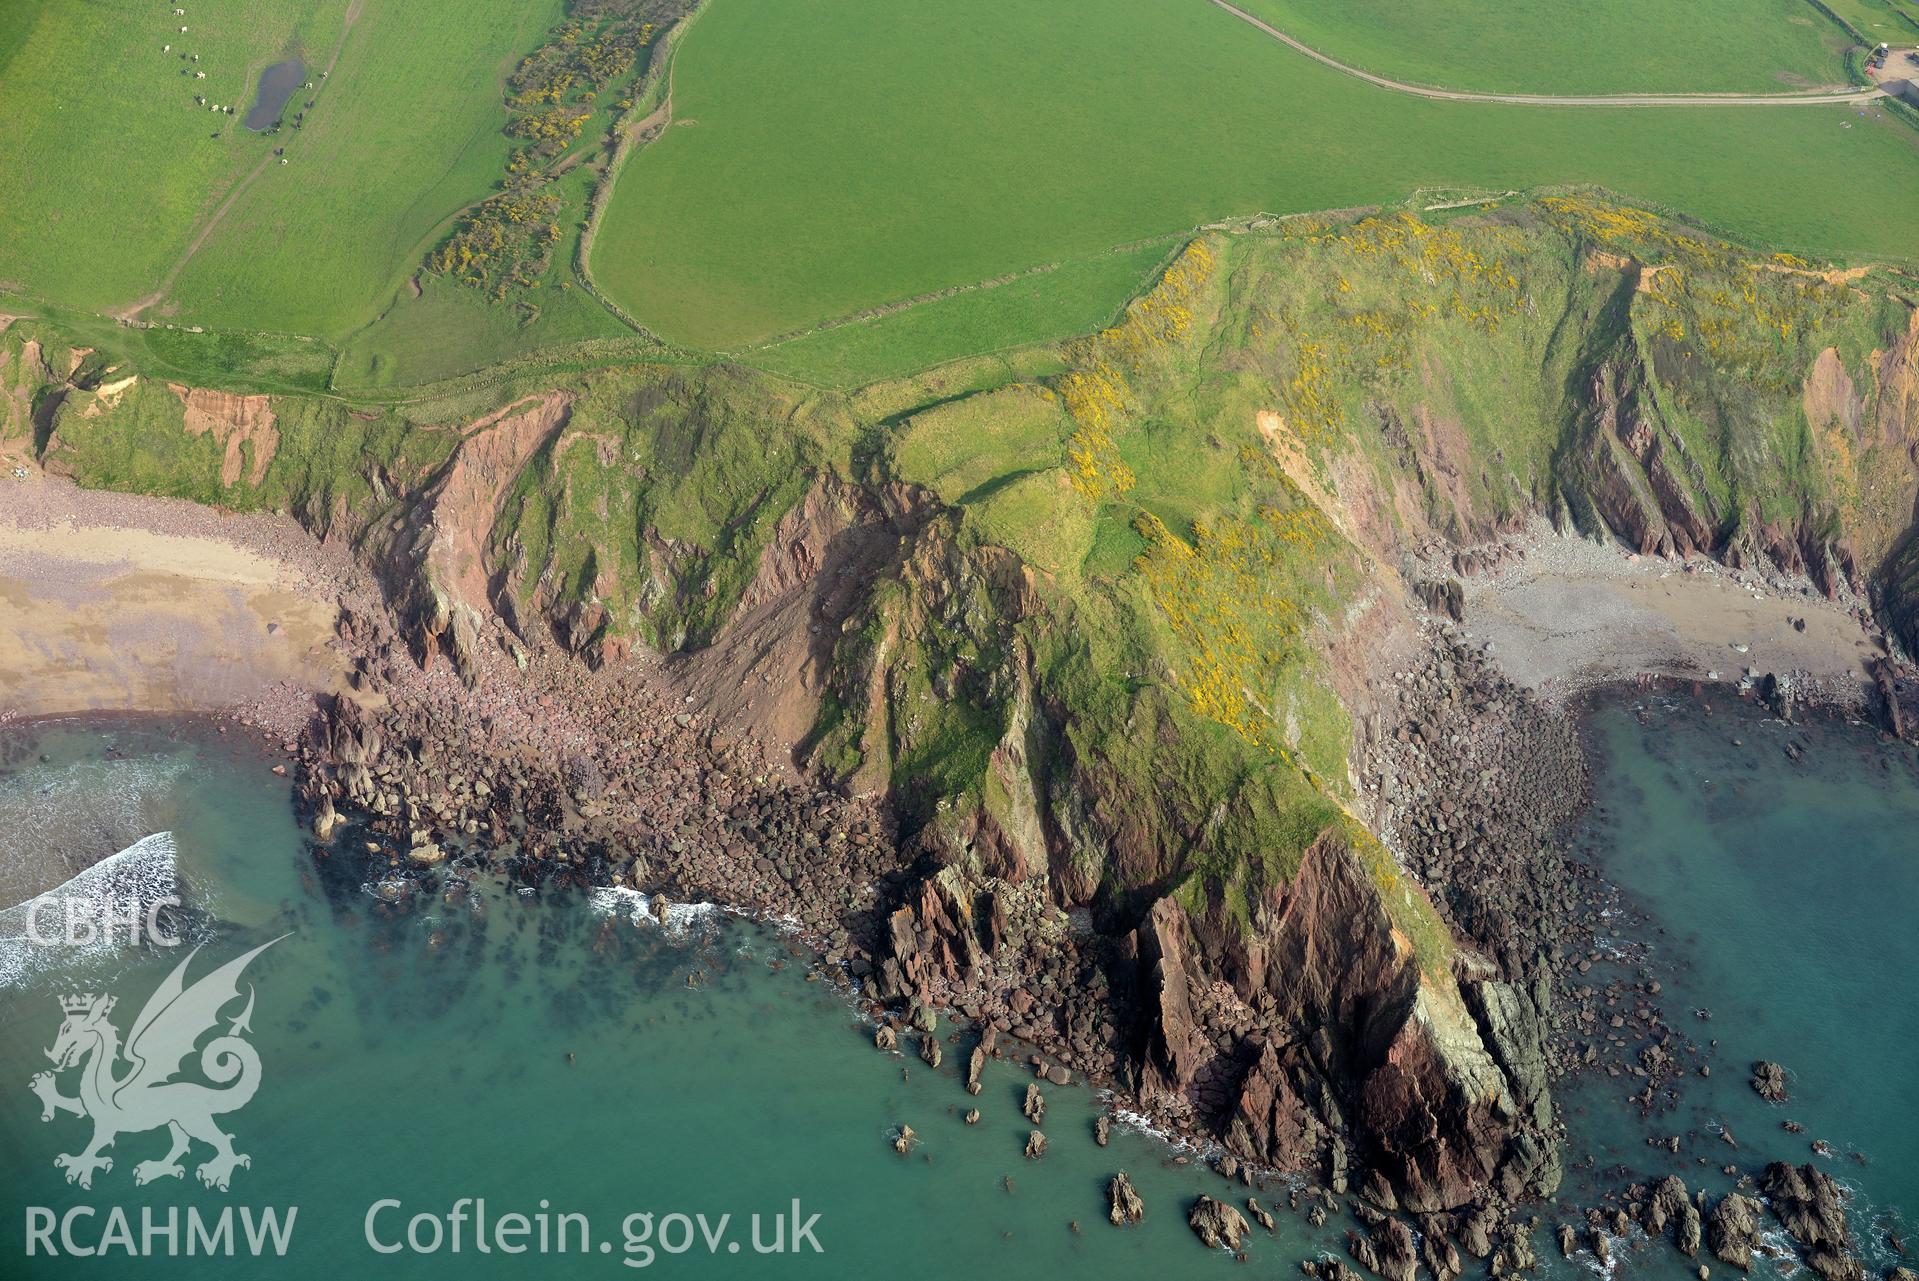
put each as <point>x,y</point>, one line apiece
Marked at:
<point>1769,1081</point>
<point>1216,1224</point>
<point>1124,1205</point>
<point>1732,1230</point>
<point>1812,1206</point>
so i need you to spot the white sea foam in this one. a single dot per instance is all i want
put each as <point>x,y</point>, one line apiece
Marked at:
<point>387,890</point>
<point>682,920</point>
<point>99,901</point>
<point>1179,1143</point>
<point>1777,1243</point>
<point>1618,1248</point>
<point>84,805</point>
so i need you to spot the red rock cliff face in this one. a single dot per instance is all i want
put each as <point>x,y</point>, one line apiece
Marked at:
<point>1318,1046</point>
<point>1625,469</point>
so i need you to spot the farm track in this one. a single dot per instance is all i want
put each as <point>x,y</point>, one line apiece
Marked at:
<point>1813,98</point>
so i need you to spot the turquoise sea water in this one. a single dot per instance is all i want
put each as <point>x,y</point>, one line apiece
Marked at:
<point>547,1048</point>
<point>540,1050</point>
<point>1782,898</point>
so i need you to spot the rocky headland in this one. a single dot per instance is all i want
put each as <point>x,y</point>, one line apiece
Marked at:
<point>1225,804</point>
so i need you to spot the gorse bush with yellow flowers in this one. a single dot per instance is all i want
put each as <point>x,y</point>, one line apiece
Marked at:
<point>587,70</point>
<point>1393,281</point>
<point>1234,594</point>
<point>1094,390</point>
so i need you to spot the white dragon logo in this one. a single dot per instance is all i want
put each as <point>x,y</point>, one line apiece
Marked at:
<point>146,1097</point>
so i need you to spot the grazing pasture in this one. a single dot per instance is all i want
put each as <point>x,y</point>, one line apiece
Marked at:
<point>109,164</point>
<point>113,175</point>
<point>833,156</point>
<point>406,133</point>
<point>1072,298</point>
<point>1891,21</point>
<point>848,190</point>
<point>448,329</point>
<point>1597,46</point>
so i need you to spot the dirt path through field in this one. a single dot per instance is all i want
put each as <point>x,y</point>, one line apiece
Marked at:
<point>1812,97</point>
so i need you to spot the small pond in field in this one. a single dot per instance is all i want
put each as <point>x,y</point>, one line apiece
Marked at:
<point>277,84</point>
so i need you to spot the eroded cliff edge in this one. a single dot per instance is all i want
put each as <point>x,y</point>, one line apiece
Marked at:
<point>1105,646</point>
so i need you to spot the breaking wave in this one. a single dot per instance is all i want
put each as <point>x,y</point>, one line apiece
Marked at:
<point>682,920</point>
<point>35,937</point>
<point>59,817</point>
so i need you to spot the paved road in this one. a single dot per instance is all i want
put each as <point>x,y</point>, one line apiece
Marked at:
<point>1553,100</point>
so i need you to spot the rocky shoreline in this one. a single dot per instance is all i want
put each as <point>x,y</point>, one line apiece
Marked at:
<point>457,752</point>
<point>1161,865</point>
<point>455,758</point>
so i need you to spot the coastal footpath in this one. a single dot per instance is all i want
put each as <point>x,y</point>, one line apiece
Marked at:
<point>1139,713</point>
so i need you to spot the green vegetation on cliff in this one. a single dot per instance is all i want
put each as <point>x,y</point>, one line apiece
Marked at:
<point>92,415</point>
<point>1195,502</point>
<point>1080,610</point>
<point>656,498</point>
<point>296,454</point>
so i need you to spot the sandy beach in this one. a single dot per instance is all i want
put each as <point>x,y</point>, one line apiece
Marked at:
<point>116,602</point>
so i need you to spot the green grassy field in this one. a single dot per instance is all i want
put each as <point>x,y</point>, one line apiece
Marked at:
<point>1069,299</point>
<point>407,132</point>
<point>1600,46</point>
<point>1879,20</point>
<point>113,174</point>
<point>109,164</point>
<point>845,155</point>
<point>449,330</point>
<point>832,158</point>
